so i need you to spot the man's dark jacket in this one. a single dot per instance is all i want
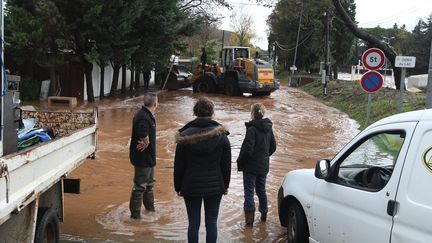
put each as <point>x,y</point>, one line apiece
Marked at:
<point>258,145</point>
<point>143,125</point>
<point>202,163</point>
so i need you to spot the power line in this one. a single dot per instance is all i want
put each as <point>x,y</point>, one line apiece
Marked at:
<point>293,46</point>
<point>290,49</point>
<point>399,14</point>
<point>247,4</point>
<point>389,18</point>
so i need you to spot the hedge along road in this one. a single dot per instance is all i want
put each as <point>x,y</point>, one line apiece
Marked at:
<point>305,129</point>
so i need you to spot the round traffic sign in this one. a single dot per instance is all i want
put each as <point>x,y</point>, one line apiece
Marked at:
<point>371,81</point>
<point>373,58</point>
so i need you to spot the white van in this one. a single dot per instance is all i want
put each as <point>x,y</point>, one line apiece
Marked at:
<point>376,189</point>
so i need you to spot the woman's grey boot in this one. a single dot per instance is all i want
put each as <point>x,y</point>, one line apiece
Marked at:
<point>263,217</point>
<point>249,216</point>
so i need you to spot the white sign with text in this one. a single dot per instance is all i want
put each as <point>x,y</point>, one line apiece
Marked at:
<point>405,61</point>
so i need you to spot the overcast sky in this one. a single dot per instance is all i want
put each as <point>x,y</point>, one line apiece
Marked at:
<point>370,13</point>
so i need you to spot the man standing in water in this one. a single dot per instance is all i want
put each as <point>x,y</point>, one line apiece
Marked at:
<point>203,59</point>
<point>146,75</point>
<point>142,154</point>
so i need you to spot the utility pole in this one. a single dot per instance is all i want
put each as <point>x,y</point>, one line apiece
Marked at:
<point>327,62</point>
<point>221,55</point>
<point>429,84</point>
<point>223,38</point>
<point>401,89</point>
<point>386,40</point>
<point>297,41</point>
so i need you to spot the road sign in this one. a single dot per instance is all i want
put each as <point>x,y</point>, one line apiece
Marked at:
<point>373,58</point>
<point>371,81</point>
<point>293,68</point>
<point>405,61</point>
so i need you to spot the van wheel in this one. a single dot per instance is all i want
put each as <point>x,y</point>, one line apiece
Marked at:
<point>47,226</point>
<point>297,228</point>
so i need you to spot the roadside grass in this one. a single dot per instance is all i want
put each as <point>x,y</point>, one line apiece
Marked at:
<point>350,98</point>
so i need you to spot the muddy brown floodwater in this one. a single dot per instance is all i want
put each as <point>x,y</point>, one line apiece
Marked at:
<point>305,130</point>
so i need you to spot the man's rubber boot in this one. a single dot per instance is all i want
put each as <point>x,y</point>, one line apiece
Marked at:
<point>135,204</point>
<point>249,216</point>
<point>148,200</point>
<point>263,217</point>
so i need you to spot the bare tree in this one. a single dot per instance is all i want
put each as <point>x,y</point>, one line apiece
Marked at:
<point>242,25</point>
<point>207,8</point>
<point>203,8</point>
<point>187,5</point>
<point>208,31</point>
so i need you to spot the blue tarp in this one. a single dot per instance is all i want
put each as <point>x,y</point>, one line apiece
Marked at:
<point>29,136</point>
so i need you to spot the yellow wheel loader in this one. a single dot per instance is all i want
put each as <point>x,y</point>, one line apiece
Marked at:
<point>238,74</point>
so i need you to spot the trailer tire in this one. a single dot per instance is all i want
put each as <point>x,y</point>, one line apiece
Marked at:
<point>47,226</point>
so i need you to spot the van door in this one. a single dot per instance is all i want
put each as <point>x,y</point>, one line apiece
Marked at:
<point>412,221</point>
<point>352,205</point>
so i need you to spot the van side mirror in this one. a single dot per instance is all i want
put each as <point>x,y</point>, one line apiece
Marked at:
<point>322,168</point>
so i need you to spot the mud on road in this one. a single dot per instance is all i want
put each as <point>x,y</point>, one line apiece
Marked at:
<point>305,130</point>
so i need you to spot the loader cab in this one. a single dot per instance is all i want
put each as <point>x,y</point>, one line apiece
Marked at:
<point>230,53</point>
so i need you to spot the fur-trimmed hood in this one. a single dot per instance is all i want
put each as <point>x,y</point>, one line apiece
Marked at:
<point>202,133</point>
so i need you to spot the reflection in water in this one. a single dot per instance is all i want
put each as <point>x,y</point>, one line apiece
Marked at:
<point>305,131</point>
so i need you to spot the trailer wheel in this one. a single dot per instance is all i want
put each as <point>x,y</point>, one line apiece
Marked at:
<point>297,228</point>
<point>47,226</point>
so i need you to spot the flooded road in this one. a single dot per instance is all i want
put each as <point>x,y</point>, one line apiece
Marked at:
<point>305,130</point>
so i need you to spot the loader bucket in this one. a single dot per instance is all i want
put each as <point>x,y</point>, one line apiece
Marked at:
<point>172,83</point>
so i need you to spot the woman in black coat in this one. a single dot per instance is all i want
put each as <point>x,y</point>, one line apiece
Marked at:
<point>258,145</point>
<point>202,168</point>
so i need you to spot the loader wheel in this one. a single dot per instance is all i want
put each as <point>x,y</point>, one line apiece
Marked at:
<point>297,228</point>
<point>204,85</point>
<point>231,87</point>
<point>47,226</point>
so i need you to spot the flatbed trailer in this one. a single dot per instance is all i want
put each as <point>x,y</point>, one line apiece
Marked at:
<point>33,180</point>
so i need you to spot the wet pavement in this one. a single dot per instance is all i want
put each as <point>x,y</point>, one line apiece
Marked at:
<point>305,129</point>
